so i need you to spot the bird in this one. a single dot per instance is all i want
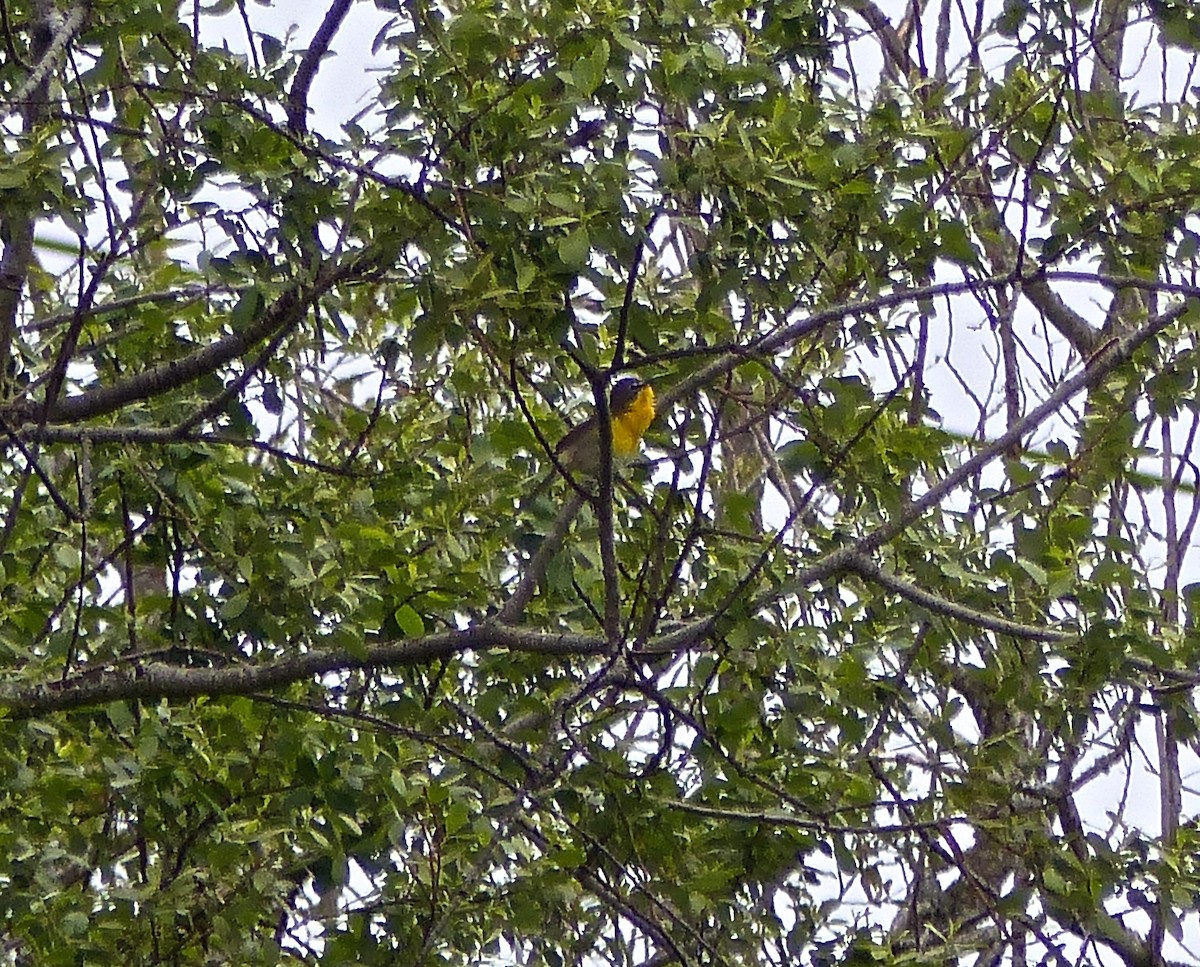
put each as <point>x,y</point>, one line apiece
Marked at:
<point>630,411</point>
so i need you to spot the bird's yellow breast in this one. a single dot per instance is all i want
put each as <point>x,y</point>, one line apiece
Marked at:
<point>629,425</point>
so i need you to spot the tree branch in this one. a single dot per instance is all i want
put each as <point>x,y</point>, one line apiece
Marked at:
<point>514,607</point>
<point>48,53</point>
<point>1002,247</point>
<point>156,435</point>
<point>866,568</point>
<point>180,296</point>
<point>1108,358</point>
<point>297,103</point>
<point>49,44</point>
<point>284,313</point>
<point>157,680</point>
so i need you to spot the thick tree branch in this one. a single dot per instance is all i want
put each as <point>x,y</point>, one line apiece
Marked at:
<point>1113,355</point>
<point>160,680</point>
<point>845,558</point>
<point>792,333</point>
<point>50,40</point>
<point>535,570</point>
<point>1109,45</point>
<point>297,103</point>
<point>286,312</point>
<point>1002,247</point>
<point>157,680</point>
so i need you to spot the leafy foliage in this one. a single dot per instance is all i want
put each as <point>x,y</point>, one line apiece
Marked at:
<point>296,663</point>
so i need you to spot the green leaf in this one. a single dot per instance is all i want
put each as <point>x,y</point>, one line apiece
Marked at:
<point>246,310</point>
<point>409,621</point>
<point>574,249</point>
<point>233,607</point>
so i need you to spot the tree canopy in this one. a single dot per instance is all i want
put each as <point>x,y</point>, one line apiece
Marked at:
<point>884,649</point>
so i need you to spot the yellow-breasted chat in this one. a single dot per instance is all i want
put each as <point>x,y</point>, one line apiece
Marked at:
<point>630,413</point>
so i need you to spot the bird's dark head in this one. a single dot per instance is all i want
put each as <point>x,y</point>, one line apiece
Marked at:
<point>624,394</point>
